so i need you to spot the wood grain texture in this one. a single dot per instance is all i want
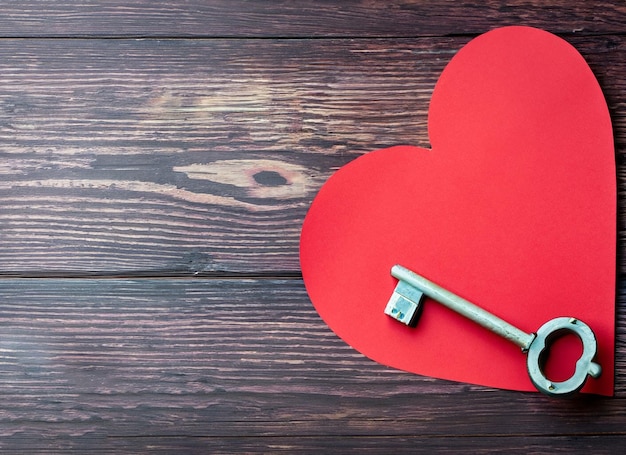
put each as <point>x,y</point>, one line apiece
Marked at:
<point>301,18</point>
<point>202,156</point>
<point>243,365</point>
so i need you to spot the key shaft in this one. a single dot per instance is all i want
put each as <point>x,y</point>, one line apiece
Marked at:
<point>464,307</point>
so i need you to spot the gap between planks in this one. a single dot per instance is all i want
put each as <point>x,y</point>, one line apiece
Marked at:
<point>286,275</point>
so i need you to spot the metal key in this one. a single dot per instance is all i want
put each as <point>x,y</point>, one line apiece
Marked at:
<point>405,305</point>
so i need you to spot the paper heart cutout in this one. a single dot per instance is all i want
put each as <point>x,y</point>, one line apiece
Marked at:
<point>513,208</point>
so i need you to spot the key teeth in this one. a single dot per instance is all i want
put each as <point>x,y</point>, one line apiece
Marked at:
<point>405,304</point>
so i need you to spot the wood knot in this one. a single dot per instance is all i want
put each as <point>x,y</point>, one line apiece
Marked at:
<point>270,178</point>
<point>260,178</point>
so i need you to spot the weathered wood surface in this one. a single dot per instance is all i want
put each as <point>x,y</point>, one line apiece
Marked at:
<point>301,18</point>
<point>181,157</point>
<point>225,365</point>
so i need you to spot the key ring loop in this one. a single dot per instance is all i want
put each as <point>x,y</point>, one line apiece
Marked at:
<point>538,352</point>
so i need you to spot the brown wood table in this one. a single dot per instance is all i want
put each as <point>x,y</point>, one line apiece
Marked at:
<point>156,161</point>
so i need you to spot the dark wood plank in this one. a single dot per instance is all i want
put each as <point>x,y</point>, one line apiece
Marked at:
<point>246,365</point>
<point>415,444</point>
<point>303,18</point>
<point>513,444</point>
<point>202,156</point>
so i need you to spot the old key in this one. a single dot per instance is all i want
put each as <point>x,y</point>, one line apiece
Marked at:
<point>405,306</point>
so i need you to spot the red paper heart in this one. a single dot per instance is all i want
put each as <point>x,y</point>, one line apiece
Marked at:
<point>514,209</point>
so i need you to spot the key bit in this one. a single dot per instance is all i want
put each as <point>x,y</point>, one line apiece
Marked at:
<point>405,304</point>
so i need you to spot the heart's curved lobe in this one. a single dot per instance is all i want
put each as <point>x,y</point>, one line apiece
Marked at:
<point>514,209</point>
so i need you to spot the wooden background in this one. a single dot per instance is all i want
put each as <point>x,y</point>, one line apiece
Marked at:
<point>156,161</point>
